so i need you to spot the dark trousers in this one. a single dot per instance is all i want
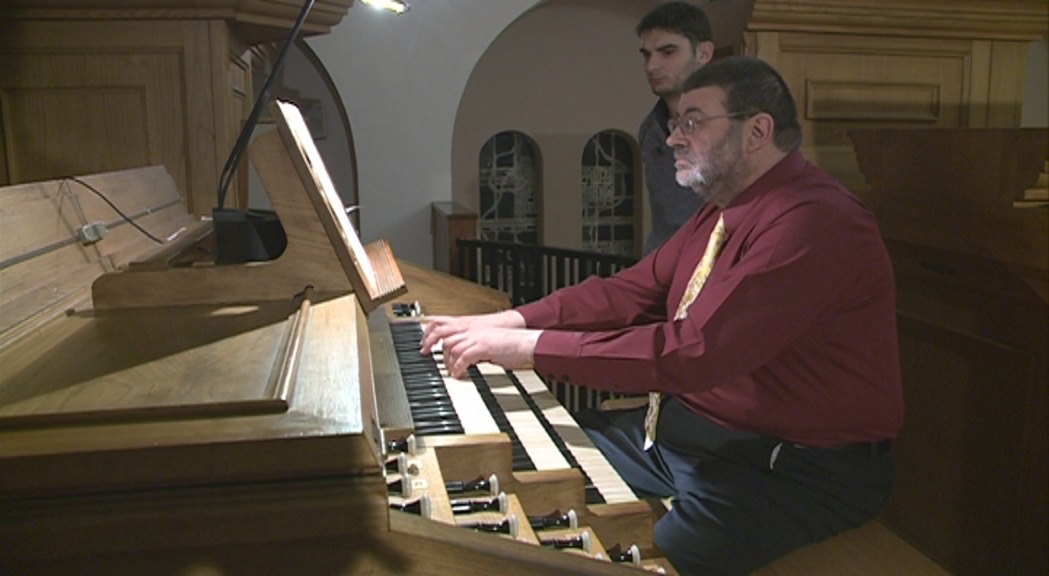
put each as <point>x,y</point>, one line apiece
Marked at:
<point>740,500</point>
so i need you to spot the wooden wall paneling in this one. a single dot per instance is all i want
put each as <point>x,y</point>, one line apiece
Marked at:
<point>81,96</point>
<point>994,19</point>
<point>63,126</point>
<point>900,63</point>
<point>973,357</point>
<point>256,20</point>
<point>998,75</point>
<point>764,45</point>
<point>204,47</point>
<point>845,82</point>
<point>956,189</point>
<point>978,86</point>
<point>971,299</point>
<point>232,75</point>
<point>102,95</point>
<point>1008,77</point>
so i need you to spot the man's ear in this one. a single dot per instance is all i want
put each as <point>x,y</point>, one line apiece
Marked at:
<point>704,52</point>
<point>761,130</point>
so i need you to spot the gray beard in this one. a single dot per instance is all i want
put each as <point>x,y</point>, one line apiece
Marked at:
<point>692,179</point>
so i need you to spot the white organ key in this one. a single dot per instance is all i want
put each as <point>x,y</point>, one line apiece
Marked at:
<point>539,446</point>
<point>469,406</point>
<point>605,478</point>
<point>534,438</point>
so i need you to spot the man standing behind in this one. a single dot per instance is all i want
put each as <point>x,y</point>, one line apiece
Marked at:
<point>675,41</point>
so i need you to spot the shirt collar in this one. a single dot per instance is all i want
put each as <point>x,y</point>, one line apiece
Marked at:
<point>782,172</point>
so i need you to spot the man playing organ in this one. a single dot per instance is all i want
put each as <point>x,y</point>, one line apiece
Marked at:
<point>763,331</point>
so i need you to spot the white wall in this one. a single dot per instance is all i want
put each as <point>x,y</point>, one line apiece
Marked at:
<point>586,76</point>
<point>401,78</point>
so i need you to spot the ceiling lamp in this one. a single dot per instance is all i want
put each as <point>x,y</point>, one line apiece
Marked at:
<point>394,6</point>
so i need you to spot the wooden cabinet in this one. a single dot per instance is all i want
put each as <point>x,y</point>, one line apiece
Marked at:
<point>895,64</point>
<point>971,267</point>
<point>450,221</point>
<point>119,84</point>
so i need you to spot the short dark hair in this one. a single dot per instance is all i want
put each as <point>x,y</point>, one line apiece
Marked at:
<point>752,86</point>
<point>680,18</point>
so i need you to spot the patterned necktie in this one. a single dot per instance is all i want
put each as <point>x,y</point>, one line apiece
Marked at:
<point>695,284</point>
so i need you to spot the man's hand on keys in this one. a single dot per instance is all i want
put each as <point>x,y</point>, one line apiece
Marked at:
<point>499,338</point>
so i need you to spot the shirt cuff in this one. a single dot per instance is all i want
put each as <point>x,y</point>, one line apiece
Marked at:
<point>555,354</point>
<point>537,314</point>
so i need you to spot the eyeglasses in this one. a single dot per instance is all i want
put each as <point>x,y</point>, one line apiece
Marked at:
<point>689,124</point>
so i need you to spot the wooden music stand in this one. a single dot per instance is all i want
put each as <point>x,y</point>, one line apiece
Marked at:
<point>319,235</point>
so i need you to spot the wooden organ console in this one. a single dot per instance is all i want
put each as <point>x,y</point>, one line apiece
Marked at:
<point>964,215</point>
<point>160,413</point>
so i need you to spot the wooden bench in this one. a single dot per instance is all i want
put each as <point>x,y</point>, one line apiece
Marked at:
<point>870,550</point>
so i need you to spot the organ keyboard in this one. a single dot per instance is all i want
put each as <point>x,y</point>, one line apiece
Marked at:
<point>544,435</point>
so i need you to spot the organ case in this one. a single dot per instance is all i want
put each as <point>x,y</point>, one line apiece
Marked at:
<point>165,424</point>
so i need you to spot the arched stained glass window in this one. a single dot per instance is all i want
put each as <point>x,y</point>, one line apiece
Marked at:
<point>608,194</point>
<point>509,177</point>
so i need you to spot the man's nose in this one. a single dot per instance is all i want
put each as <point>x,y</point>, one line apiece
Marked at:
<point>676,139</point>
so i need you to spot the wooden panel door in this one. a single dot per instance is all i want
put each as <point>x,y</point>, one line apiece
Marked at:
<point>84,97</point>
